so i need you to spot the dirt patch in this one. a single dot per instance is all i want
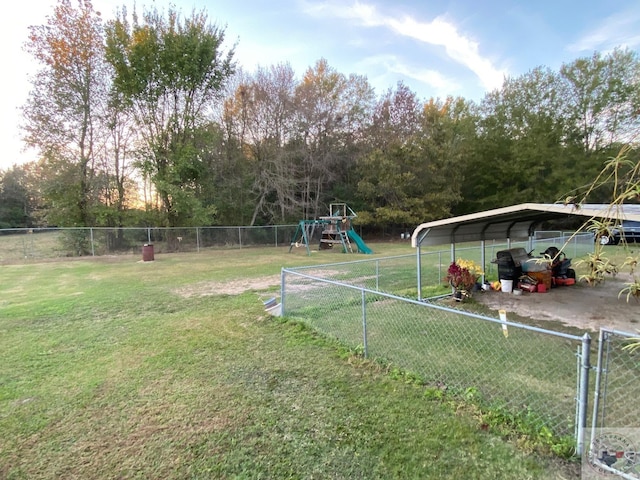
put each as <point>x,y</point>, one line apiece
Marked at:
<point>230,287</point>
<point>581,306</point>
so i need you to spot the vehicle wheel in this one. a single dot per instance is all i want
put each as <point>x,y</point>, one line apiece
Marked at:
<point>605,240</point>
<point>571,273</point>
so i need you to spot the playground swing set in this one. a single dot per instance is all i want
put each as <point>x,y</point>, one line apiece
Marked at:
<point>336,230</point>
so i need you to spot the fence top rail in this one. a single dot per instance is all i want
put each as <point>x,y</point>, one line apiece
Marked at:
<point>439,307</point>
<point>371,260</point>
<point>40,229</point>
<point>565,236</point>
<point>620,333</point>
<point>240,226</point>
<point>349,262</point>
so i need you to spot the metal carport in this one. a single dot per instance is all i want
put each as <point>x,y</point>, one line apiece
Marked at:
<point>517,222</point>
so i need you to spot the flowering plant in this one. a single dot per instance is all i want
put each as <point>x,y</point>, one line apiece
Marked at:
<point>463,274</point>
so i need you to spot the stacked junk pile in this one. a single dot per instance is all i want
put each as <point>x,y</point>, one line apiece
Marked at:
<point>518,270</point>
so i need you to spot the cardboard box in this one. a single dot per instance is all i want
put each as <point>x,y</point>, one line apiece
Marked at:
<point>542,277</point>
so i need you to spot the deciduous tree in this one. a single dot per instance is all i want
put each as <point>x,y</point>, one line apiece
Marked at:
<point>62,108</point>
<point>332,111</point>
<point>16,204</point>
<point>262,112</point>
<point>519,153</point>
<point>413,173</point>
<point>171,70</point>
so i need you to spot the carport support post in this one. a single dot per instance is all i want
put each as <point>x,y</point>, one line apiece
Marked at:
<point>419,268</point>
<point>482,261</point>
<point>583,399</point>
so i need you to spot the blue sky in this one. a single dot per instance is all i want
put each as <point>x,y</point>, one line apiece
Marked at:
<point>437,48</point>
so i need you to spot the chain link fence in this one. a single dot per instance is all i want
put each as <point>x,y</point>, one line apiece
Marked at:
<point>618,384</point>
<point>520,371</point>
<point>615,434</point>
<point>398,274</point>
<point>20,244</point>
<point>373,306</point>
<point>42,243</point>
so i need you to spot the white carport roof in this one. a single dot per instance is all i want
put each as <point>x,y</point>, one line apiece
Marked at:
<point>516,222</point>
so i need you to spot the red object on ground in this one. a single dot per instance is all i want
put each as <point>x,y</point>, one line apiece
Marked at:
<point>542,288</point>
<point>147,253</point>
<point>527,287</point>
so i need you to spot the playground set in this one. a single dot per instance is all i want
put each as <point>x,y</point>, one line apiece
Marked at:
<point>335,229</point>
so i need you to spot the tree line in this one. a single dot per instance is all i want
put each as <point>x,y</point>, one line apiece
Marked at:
<point>147,120</point>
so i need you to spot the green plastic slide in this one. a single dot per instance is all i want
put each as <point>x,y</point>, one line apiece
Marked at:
<point>355,238</point>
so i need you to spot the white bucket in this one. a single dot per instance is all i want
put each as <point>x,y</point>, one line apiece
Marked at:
<point>506,285</point>
<point>270,303</point>
<point>275,310</point>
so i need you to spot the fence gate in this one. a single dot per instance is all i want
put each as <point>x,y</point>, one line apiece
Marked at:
<point>614,449</point>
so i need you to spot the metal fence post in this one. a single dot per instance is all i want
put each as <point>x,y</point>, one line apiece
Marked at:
<point>364,323</point>
<point>596,395</point>
<point>93,251</point>
<point>198,239</point>
<point>377,274</point>
<point>282,290</point>
<point>583,399</point>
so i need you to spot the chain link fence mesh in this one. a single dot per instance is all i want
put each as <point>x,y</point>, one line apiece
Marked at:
<point>19,244</point>
<point>619,382</point>
<point>371,306</point>
<point>527,372</point>
<point>614,448</point>
<point>44,243</point>
<point>398,274</point>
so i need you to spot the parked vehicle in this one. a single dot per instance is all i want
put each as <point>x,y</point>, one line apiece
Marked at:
<point>629,230</point>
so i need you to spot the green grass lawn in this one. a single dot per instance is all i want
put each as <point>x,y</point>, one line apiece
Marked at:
<point>108,370</point>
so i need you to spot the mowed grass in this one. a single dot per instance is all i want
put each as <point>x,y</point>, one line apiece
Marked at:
<point>447,349</point>
<point>109,370</point>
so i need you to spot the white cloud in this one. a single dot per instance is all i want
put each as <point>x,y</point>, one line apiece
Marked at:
<point>392,66</point>
<point>620,29</point>
<point>438,32</point>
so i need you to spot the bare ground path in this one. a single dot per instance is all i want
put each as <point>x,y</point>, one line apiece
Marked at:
<point>581,306</point>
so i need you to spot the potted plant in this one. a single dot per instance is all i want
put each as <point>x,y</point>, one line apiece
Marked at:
<point>463,276</point>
